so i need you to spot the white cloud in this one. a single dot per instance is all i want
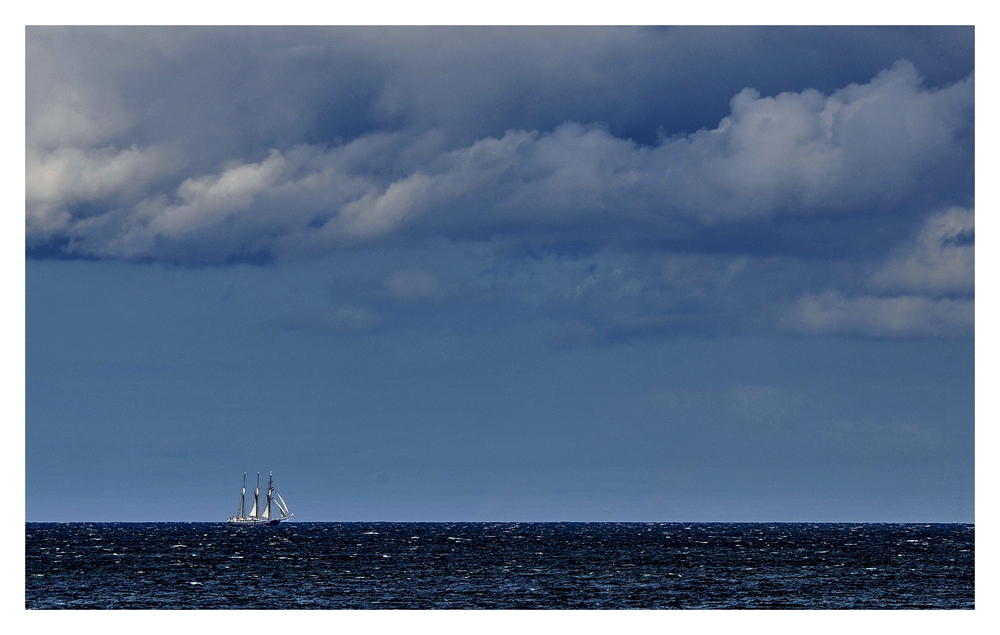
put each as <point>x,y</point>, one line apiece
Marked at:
<point>207,200</point>
<point>375,215</point>
<point>872,316</point>
<point>924,288</point>
<point>940,260</point>
<point>798,154</point>
<point>69,176</point>
<point>803,153</point>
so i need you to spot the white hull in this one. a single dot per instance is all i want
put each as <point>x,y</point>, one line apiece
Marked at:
<point>252,521</point>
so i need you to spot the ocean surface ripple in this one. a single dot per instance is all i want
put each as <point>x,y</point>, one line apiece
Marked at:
<point>500,566</point>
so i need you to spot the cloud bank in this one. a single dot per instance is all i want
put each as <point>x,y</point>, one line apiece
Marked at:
<point>867,146</point>
<point>115,172</point>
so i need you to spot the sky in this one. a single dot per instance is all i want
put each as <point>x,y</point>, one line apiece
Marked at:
<point>606,274</point>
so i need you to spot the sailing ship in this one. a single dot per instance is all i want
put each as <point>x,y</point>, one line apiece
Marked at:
<point>261,516</point>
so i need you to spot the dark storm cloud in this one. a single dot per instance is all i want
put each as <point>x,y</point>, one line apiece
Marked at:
<point>281,86</point>
<point>221,145</point>
<point>880,147</point>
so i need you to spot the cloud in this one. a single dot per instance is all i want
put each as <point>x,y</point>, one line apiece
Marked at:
<point>925,287</point>
<point>892,317</point>
<point>605,299</point>
<point>375,215</point>
<point>940,260</point>
<point>66,177</point>
<point>69,118</point>
<point>639,197</point>
<point>884,144</point>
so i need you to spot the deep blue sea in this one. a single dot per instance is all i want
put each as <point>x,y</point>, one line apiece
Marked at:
<point>500,566</point>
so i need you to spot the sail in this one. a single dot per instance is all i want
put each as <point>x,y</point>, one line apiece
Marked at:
<point>282,505</point>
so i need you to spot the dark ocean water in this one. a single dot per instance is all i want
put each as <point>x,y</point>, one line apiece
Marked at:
<point>499,566</point>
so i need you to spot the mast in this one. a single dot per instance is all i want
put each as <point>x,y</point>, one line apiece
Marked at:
<point>243,497</point>
<point>256,494</point>
<point>270,491</point>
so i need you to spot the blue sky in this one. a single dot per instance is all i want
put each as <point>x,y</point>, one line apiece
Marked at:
<point>501,274</point>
